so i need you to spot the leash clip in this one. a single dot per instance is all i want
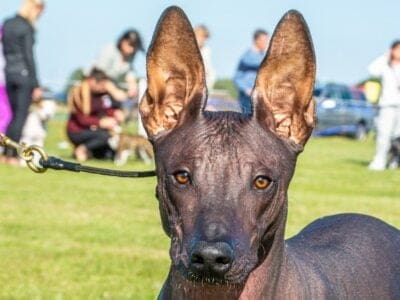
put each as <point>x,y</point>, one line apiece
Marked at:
<point>26,153</point>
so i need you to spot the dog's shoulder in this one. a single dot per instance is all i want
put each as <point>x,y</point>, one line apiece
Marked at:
<point>341,247</point>
<point>355,229</point>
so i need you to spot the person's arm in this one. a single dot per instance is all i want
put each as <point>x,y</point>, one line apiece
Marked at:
<point>115,92</point>
<point>86,121</point>
<point>377,67</point>
<point>240,80</point>
<point>117,114</point>
<point>131,82</point>
<point>249,63</point>
<point>94,122</point>
<point>28,41</point>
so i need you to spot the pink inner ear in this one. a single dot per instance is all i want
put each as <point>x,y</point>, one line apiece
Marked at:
<point>175,73</point>
<point>286,78</point>
<point>283,110</point>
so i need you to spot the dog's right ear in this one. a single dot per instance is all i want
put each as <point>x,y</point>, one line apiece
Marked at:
<point>176,89</point>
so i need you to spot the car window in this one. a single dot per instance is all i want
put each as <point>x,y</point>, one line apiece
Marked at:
<point>317,92</point>
<point>345,94</point>
<point>332,93</point>
<point>358,95</point>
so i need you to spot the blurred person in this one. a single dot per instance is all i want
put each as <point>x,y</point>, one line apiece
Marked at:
<point>5,110</point>
<point>387,67</point>
<point>246,71</point>
<point>202,34</point>
<point>92,119</point>
<point>20,72</point>
<point>116,61</point>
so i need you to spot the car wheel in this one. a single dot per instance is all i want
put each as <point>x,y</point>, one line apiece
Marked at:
<point>361,132</point>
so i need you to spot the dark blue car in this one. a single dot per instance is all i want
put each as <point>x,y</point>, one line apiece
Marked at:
<point>342,110</point>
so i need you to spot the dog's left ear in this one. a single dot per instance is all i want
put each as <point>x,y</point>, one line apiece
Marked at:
<point>176,89</point>
<point>282,96</point>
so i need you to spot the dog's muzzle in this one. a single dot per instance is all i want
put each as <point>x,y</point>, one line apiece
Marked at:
<point>210,261</point>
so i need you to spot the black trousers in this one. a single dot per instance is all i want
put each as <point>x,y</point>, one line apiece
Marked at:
<point>19,91</point>
<point>96,141</point>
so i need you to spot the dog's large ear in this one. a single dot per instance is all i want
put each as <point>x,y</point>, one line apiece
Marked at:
<point>176,89</point>
<point>282,96</point>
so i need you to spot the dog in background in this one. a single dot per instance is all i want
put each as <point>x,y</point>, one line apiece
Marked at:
<point>130,144</point>
<point>394,154</point>
<point>35,127</point>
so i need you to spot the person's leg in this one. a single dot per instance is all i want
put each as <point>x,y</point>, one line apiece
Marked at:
<point>79,138</point>
<point>20,99</point>
<point>245,103</point>
<point>396,130</point>
<point>99,145</point>
<point>98,140</point>
<point>88,140</point>
<point>385,125</point>
<point>394,159</point>
<point>81,153</point>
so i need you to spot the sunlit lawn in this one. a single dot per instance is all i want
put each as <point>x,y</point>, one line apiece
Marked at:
<point>77,236</point>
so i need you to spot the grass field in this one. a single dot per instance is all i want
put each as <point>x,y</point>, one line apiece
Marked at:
<point>76,236</point>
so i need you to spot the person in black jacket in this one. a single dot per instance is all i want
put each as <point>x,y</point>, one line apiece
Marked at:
<point>21,80</point>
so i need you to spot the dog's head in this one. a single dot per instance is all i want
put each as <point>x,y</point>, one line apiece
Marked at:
<point>45,109</point>
<point>223,176</point>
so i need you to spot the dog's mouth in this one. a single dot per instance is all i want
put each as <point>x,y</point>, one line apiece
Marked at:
<point>237,275</point>
<point>206,278</point>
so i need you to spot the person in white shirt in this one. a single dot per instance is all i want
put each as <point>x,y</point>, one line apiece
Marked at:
<point>116,61</point>
<point>387,67</point>
<point>202,35</point>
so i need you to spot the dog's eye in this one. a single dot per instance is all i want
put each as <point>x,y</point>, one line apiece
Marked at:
<point>182,177</point>
<point>261,182</point>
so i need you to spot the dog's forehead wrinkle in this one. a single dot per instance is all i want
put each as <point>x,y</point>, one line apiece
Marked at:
<point>225,142</point>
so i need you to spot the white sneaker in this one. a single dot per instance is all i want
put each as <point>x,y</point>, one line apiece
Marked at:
<point>376,166</point>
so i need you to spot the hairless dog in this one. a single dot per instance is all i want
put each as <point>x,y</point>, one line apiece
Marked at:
<point>223,179</point>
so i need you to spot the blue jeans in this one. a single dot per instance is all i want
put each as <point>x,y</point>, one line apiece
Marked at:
<point>245,103</point>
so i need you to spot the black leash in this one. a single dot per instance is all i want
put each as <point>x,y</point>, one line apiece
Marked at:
<point>45,162</point>
<point>59,164</point>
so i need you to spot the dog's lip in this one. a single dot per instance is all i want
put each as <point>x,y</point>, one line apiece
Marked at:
<point>227,280</point>
<point>235,276</point>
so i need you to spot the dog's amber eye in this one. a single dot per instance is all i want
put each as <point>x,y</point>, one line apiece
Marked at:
<point>182,177</point>
<point>261,182</point>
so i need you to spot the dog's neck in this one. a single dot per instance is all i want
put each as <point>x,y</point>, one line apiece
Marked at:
<point>270,276</point>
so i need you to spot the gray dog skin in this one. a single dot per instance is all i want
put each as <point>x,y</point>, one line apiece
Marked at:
<point>223,179</point>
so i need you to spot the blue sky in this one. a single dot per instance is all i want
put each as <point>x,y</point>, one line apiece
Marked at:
<point>347,34</point>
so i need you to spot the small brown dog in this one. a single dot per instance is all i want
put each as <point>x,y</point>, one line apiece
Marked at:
<point>130,144</point>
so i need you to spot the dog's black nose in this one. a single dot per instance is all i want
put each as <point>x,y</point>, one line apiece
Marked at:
<point>211,259</point>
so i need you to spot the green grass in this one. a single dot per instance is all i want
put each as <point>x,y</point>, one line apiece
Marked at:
<point>77,236</point>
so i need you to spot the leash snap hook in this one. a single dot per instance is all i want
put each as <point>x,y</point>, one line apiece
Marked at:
<point>28,156</point>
